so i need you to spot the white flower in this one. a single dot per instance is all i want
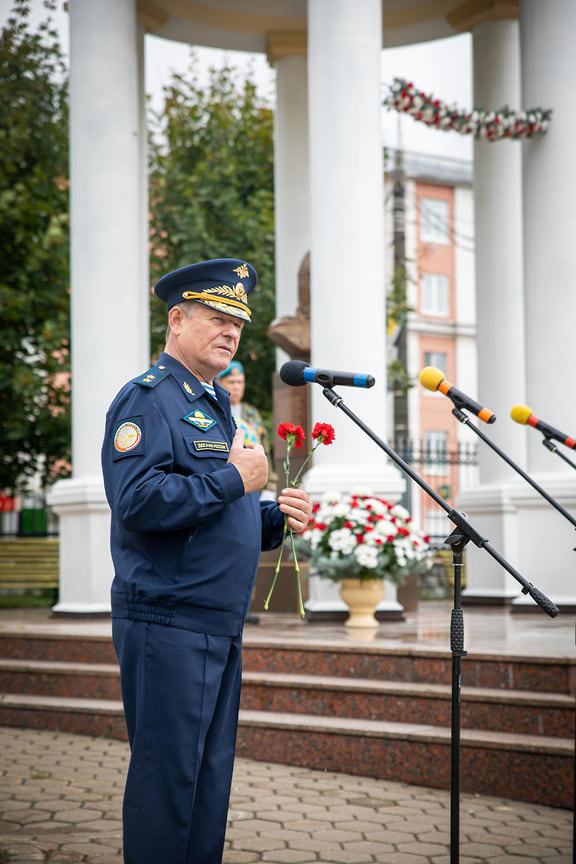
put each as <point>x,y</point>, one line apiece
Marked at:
<point>330,498</point>
<point>367,556</point>
<point>315,538</point>
<point>385,528</point>
<point>400,512</point>
<point>342,540</point>
<point>340,510</point>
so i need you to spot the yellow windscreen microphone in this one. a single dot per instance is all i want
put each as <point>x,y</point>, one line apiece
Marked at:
<point>523,414</point>
<point>433,379</point>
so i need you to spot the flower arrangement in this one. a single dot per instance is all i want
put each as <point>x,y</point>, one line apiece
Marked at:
<point>363,537</point>
<point>323,433</point>
<point>491,125</point>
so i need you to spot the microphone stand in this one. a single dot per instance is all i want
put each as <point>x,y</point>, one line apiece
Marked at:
<point>465,420</point>
<point>553,447</point>
<point>463,533</point>
<point>550,445</point>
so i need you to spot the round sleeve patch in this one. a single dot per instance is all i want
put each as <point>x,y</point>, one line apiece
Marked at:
<point>127,437</point>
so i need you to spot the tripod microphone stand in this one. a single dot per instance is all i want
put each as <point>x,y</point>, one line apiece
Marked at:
<point>550,445</point>
<point>463,533</point>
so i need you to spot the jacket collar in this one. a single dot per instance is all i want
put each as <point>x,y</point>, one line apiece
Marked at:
<point>190,385</point>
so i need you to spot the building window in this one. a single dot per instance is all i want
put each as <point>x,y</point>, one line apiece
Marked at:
<point>434,221</point>
<point>436,452</point>
<point>435,295</point>
<point>439,360</point>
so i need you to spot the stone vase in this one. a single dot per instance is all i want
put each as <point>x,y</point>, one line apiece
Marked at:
<point>362,597</point>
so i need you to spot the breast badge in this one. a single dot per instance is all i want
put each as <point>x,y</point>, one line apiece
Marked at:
<point>200,420</point>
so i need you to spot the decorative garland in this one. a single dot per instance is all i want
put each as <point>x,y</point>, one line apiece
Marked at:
<point>491,125</point>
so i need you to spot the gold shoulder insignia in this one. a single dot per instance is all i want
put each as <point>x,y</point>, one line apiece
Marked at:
<point>152,377</point>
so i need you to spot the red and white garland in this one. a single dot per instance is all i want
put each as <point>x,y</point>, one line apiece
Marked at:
<point>491,125</point>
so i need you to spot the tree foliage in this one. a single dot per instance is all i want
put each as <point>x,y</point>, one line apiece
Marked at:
<point>212,196</point>
<point>34,330</point>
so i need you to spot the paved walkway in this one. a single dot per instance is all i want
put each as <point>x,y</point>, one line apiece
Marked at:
<point>60,803</point>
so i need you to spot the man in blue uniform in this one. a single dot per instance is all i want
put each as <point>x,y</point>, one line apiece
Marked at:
<point>187,530</point>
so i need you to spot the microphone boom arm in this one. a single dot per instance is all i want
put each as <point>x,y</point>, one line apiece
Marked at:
<point>455,516</point>
<point>465,420</point>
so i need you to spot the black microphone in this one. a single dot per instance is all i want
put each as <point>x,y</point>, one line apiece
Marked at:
<point>523,414</point>
<point>297,373</point>
<point>434,379</point>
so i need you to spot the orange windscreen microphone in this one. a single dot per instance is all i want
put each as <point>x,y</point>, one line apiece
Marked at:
<point>434,379</point>
<point>523,414</point>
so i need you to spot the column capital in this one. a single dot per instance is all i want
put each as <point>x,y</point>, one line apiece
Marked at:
<point>472,12</point>
<point>285,43</point>
<point>151,15</point>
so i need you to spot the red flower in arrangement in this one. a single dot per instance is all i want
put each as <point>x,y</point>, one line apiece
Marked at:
<point>323,433</point>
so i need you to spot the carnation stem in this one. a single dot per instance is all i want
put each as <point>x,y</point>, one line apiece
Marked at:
<point>277,570</point>
<point>296,479</point>
<point>297,569</point>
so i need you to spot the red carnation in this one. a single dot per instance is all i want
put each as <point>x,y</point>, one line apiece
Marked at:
<point>324,433</point>
<point>296,433</point>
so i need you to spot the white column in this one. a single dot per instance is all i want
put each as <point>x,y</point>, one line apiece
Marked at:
<point>499,311</point>
<point>546,539</point>
<point>291,187</point>
<point>109,283</point>
<point>347,240</point>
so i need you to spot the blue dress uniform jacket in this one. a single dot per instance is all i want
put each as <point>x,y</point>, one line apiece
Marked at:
<point>185,538</point>
<point>185,542</point>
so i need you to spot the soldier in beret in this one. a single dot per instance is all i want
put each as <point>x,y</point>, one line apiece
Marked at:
<point>187,529</point>
<point>247,417</point>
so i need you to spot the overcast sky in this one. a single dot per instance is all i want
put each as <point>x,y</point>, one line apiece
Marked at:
<point>443,68</point>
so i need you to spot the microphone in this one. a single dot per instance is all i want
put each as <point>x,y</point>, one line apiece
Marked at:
<point>297,373</point>
<point>523,414</point>
<point>434,379</point>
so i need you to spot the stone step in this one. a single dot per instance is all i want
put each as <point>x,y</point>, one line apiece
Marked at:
<point>95,717</point>
<point>522,767</point>
<point>521,712</point>
<point>75,648</point>
<point>372,662</point>
<point>60,678</point>
<point>410,663</point>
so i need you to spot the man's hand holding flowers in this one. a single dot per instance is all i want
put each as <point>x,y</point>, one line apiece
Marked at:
<point>297,506</point>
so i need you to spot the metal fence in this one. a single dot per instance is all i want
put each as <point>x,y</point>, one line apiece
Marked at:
<point>448,471</point>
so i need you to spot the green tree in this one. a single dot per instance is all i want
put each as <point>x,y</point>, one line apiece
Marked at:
<point>34,319</point>
<point>212,196</point>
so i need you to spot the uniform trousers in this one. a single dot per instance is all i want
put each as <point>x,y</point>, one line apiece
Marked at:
<point>181,694</point>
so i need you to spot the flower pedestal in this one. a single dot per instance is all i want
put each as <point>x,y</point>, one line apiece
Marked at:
<point>362,597</point>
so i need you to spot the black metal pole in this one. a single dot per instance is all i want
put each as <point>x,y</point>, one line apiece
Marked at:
<point>460,536</point>
<point>465,420</point>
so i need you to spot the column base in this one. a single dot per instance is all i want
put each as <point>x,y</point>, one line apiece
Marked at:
<point>492,514</point>
<point>86,570</point>
<point>525,605</point>
<point>490,599</point>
